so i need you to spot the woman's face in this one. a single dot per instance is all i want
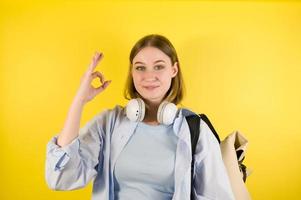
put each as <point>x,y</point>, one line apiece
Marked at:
<point>152,73</point>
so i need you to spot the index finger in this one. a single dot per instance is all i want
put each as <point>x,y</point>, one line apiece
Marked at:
<point>95,60</point>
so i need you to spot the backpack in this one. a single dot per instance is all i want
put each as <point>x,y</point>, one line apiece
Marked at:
<point>239,189</point>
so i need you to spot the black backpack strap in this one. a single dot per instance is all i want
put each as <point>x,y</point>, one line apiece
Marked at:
<point>205,118</point>
<point>194,127</point>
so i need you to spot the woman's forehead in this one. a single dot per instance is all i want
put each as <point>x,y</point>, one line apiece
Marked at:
<point>151,55</point>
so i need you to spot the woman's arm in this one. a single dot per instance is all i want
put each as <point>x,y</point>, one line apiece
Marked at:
<point>71,127</point>
<point>211,180</point>
<point>74,165</point>
<point>85,93</point>
<point>72,156</point>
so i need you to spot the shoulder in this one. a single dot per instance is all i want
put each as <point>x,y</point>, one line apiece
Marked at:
<point>107,117</point>
<point>206,127</point>
<point>186,111</point>
<point>112,113</point>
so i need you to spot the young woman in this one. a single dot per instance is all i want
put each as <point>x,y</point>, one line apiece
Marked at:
<point>143,150</point>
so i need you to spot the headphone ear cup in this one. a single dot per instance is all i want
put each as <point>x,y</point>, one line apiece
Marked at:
<point>135,110</point>
<point>166,113</point>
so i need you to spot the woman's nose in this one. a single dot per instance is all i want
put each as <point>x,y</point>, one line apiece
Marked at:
<point>149,76</point>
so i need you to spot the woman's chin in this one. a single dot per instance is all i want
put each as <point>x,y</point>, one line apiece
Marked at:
<point>152,99</point>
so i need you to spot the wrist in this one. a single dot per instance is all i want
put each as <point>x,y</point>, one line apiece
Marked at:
<point>79,100</point>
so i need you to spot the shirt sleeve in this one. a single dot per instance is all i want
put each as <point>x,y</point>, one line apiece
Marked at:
<point>75,165</point>
<point>211,180</point>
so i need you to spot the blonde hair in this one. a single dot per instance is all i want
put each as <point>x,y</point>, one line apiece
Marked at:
<point>176,91</point>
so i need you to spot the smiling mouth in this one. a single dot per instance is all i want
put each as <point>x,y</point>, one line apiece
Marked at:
<point>150,87</point>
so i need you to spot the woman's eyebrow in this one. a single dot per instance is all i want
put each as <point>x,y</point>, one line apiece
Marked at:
<point>138,62</point>
<point>159,61</point>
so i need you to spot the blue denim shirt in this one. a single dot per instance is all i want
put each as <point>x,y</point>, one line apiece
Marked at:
<point>93,154</point>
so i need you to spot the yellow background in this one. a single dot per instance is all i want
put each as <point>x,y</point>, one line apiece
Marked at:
<point>240,60</point>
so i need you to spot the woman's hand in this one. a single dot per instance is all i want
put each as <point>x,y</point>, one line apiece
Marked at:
<point>86,91</point>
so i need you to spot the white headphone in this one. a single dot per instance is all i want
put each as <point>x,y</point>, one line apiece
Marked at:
<point>135,111</point>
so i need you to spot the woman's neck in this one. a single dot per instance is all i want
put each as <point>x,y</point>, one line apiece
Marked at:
<point>151,113</point>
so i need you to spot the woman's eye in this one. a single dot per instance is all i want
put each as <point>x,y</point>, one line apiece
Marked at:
<point>139,68</point>
<point>159,67</point>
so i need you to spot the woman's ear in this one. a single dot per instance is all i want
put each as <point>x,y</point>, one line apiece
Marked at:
<point>175,69</point>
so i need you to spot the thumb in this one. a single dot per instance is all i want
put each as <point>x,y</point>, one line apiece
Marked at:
<point>103,86</point>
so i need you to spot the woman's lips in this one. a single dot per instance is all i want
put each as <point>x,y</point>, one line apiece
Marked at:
<point>150,87</point>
